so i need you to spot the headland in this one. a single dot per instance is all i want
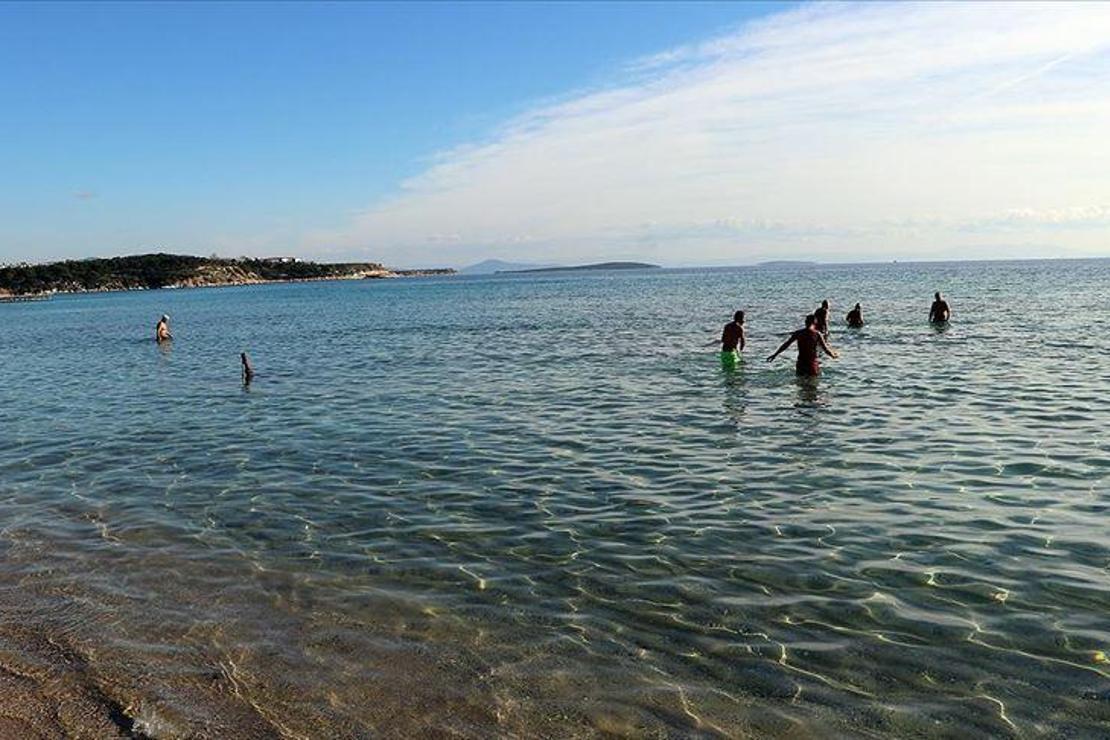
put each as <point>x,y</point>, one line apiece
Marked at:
<point>154,271</point>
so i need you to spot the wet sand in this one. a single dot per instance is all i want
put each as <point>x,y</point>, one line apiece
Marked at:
<point>144,650</point>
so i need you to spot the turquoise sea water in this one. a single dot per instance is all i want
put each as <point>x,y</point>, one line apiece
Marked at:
<point>538,506</point>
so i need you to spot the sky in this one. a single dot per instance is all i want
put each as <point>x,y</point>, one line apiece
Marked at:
<point>443,134</point>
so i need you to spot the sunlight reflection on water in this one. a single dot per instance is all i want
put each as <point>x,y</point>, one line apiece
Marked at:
<point>536,506</point>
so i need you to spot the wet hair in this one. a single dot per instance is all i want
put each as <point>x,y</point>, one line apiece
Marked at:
<point>738,317</point>
<point>825,303</point>
<point>937,295</point>
<point>857,306</point>
<point>810,320</point>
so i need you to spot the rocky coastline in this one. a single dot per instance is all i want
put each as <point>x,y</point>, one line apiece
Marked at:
<point>165,271</point>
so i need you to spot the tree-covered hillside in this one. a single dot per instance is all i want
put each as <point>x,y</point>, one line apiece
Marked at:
<point>165,270</point>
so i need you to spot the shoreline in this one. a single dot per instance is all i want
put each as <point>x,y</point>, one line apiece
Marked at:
<point>384,274</point>
<point>175,271</point>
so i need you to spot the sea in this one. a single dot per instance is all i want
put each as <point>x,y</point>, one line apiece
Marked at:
<point>537,505</point>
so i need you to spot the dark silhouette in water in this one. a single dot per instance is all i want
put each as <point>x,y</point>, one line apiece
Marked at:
<point>732,336</point>
<point>809,341</point>
<point>855,317</point>
<point>939,312</point>
<point>821,318</point>
<point>248,370</point>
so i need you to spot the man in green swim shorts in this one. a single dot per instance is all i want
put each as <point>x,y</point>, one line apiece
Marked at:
<point>732,339</point>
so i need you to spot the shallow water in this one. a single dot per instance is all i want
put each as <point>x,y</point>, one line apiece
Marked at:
<point>538,506</point>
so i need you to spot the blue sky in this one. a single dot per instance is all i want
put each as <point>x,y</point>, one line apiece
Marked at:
<point>444,134</point>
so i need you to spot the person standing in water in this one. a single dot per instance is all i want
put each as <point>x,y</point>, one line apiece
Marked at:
<point>162,330</point>
<point>248,369</point>
<point>732,339</point>
<point>940,311</point>
<point>855,317</point>
<point>809,340</point>
<point>821,318</point>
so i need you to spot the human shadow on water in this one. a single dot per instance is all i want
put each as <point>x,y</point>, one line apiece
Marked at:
<point>736,397</point>
<point>809,392</point>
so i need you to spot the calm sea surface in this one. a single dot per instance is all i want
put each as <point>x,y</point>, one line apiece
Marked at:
<point>538,506</point>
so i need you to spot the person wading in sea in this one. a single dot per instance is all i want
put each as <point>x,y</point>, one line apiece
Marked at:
<point>821,318</point>
<point>809,340</point>
<point>248,369</point>
<point>855,317</point>
<point>732,339</point>
<point>162,330</point>
<point>939,312</point>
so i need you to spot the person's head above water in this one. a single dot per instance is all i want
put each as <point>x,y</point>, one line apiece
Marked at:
<point>857,307</point>
<point>825,304</point>
<point>937,295</point>
<point>165,317</point>
<point>810,320</point>
<point>738,317</point>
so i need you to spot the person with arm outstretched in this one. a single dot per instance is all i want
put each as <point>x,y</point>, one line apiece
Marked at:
<point>809,341</point>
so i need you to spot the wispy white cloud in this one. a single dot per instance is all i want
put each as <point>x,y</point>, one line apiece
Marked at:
<point>829,131</point>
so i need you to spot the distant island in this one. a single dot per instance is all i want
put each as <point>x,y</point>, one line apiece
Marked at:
<point>598,266</point>
<point>489,267</point>
<point>787,263</point>
<point>153,271</point>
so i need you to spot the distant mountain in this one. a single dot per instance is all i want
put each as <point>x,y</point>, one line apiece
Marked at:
<point>489,267</point>
<point>787,263</point>
<point>598,266</point>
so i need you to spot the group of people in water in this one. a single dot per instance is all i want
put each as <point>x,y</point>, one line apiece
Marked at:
<point>811,338</point>
<point>162,336</point>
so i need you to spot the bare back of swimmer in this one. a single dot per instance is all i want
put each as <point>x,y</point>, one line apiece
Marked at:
<point>939,312</point>
<point>809,342</point>
<point>732,336</point>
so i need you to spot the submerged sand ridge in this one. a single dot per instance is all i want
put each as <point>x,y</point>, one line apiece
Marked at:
<point>139,648</point>
<point>48,692</point>
<point>171,645</point>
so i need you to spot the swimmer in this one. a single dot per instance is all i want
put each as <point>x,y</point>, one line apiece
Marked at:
<point>248,370</point>
<point>821,317</point>
<point>732,336</point>
<point>940,311</point>
<point>732,340</point>
<point>162,330</point>
<point>809,340</point>
<point>855,317</point>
